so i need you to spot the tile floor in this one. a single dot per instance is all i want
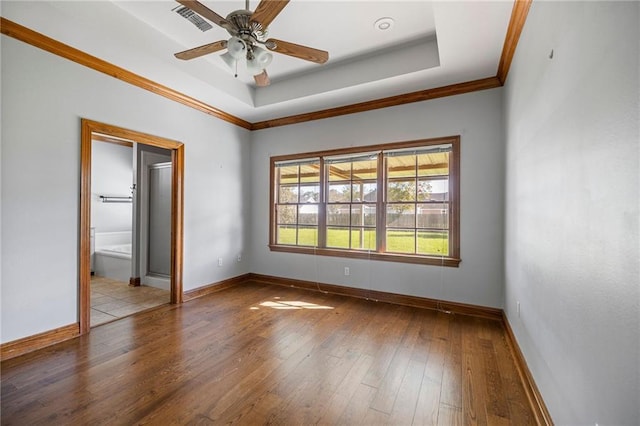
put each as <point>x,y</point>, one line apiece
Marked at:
<point>111,299</point>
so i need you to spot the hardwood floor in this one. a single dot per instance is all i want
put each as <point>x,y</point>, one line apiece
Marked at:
<point>259,354</point>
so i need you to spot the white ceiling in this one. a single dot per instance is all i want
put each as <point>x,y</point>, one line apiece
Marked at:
<point>431,44</point>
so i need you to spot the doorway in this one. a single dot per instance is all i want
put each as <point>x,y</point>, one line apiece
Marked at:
<point>171,177</point>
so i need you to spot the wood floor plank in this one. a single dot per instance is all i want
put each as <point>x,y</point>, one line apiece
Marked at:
<point>452,378</point>
<point>385,348</point>
<point>261,354</point>
<point>450,416</point>
<point>474,391</point>
<point>405,404</point>
<point>390,385</point>
<point>496,404</point>
<point>345,391</point>
<point>358,406</point>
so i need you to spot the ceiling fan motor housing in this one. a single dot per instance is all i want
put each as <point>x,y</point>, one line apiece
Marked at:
<point>244,28</point>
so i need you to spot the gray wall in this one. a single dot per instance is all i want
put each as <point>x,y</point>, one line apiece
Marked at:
<point>477,117</point>
<point>572,208</point>
<point>43,99</point>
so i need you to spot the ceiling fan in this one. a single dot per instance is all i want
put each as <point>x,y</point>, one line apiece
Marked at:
<point>248,32</point>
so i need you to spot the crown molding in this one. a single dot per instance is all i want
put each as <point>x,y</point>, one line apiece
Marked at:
<point>407,98</point>
<point>50,45</point>
<point>516,24</point>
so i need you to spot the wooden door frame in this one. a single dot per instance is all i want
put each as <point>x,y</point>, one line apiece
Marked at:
<point>90,127</point>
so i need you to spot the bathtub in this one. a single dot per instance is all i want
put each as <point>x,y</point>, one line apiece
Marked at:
<point>112,256</point>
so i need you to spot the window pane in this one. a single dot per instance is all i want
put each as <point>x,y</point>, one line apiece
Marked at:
<point>433,190</point>
<point>339,193</point>
<point>309,193</point>
<point>286,234</point>
<point>363,238</point>
<point>401,215</point>
<point>363,214</point>
<point>310,173</point>
<point>401,190</point>
<point>356,193</point>
<point>288,174</point>
<point>435,243</point>
<point>435,164</point>
<point>369,215</point>
<point>288,194</point>
<point>338,214</point>
<point>308,214</point>
<point>308,236</point>
<point>356,215</point>
<point>401,240</point>
<point>401,166</point>
<point>287,215</point>
<point>433,216</point>
<point>339,171</point>
<point>338,237</point>
<point>366,169</point>
<point>370,191</point>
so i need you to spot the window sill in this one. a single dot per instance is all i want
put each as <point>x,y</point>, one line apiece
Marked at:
<point>387,257</point>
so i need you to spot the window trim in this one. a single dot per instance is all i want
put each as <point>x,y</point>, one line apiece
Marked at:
<point>452,260</point>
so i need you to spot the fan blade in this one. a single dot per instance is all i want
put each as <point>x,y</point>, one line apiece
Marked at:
<point>262,79</point>
<point>196,52</point>
<point>298,51</point>
<point>267,11</point>
<point>203,10</point>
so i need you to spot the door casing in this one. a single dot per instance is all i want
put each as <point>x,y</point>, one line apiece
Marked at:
<point>89,128</point>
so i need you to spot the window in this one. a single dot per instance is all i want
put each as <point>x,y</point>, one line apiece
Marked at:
<point>298,186</point>
<point>396,202</point>
<point>351,205</point>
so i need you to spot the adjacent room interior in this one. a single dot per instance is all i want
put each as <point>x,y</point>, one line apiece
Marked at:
<point>372,213</point>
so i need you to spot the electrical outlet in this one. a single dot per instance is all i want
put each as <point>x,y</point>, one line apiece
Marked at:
<point>518,308</point>
<point>346,271</point>
<point>240,258</point>
<point>219,261</point>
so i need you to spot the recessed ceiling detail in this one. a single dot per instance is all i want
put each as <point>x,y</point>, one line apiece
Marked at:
<point>430,45</point>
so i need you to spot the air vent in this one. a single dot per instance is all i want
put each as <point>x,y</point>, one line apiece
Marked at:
<point>193,17</point>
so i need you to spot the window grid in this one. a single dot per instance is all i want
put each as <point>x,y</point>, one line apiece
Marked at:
<point>417,224</point>
<point>297,204</point>
<point>414,223</point>
<point>351,207</point>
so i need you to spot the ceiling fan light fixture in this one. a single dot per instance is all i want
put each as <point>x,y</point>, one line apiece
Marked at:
<point>229,60</point>
<point>262,57</point>
<point>236,47</point>
<point>248,29</point>
<point>253,67</point>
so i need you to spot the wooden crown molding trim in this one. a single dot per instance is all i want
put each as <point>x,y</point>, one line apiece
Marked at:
<point>516,24</point>
<point>382,296</point>
<point>533,394</point>
<point>38,341</point>
<point>215,287</point>
<point>407,98</point>
<point>43,42</point>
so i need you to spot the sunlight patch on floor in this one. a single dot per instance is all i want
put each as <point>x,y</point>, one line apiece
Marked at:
<point>289,304</point>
